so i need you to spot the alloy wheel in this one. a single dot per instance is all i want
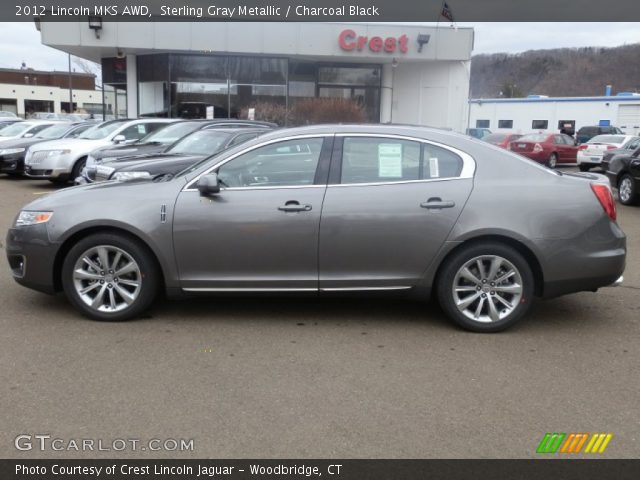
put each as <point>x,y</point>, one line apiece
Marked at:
<point>625,189</point>
<point>107,279</point>
<point>487,288</point>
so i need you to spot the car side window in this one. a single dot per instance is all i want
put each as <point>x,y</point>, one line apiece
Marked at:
<point>135,132</point>
<point>288,163</point>
<point>37,128</point>
<point>634,144</point>
<point>376,160</point>
<point>373,160</point>
<point>242,138</point>
<point>558,140</point>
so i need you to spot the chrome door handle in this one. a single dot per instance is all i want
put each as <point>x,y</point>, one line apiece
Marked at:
<point>294,206</point>
<point>437,203</point>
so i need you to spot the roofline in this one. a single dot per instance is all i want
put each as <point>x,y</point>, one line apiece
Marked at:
<point>613,98</point>
<point>30,71</point>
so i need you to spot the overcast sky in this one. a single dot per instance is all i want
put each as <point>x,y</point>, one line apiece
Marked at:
<point>21,42</point>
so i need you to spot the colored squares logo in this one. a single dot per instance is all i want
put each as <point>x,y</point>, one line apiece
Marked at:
<point>574,443</point>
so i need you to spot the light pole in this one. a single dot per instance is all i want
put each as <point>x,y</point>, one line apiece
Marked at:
<point>70,88</point>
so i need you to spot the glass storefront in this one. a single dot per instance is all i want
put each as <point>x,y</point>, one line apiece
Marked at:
<point>273,89</point>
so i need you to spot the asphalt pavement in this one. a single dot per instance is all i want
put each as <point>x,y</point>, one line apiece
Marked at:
<point>313,378</point>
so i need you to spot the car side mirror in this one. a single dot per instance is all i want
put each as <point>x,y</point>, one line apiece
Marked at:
<point>119,138</point>
<point>636,154</point>
<point>208,184</point>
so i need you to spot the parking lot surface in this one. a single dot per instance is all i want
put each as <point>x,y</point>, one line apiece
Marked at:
<point>316,378</point>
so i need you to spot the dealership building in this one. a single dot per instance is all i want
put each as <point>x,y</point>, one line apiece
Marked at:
<point>396,73</point>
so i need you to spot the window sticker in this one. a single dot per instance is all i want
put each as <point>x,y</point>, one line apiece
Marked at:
<point>141,129</point>
<point>434,167</point>
<point>390,160</point>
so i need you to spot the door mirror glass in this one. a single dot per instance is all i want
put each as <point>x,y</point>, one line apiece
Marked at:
<point>208,184</point>
<point>119,138</point>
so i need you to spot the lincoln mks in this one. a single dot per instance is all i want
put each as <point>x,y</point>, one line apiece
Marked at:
<point>332,209</point>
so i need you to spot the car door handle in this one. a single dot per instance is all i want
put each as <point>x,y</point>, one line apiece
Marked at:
<point>437,203</point>
<point>294,206</point>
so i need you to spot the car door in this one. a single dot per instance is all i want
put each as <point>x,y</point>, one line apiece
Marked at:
<point>390,205</point>
<point>261,231</point>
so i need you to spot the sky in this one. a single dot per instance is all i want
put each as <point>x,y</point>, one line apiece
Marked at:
<point>21,42</point>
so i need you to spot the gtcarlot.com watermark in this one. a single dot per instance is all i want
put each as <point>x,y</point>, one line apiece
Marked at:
<point>45,442</point>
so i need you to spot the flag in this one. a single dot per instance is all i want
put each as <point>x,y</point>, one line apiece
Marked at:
<point>446,12</point>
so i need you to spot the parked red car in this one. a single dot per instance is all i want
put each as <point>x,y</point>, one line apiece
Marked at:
<point>547,148</point>
<point>501,139</point>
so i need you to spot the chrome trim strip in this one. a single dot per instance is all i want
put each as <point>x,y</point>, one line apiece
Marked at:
<point>426,180</point>
<point>362,289</point>
<point>215,289</point>
<point>188,186</point>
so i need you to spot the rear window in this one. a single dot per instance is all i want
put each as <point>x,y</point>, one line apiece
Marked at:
<point>615,139</point>
<point>533,137</point>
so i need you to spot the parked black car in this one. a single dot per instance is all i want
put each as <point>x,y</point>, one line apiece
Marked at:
<point>159,140</point>
<point>629,147</point>
<point>184,153</point>
<point>623,172</point>
<point>12,152</point>
<point>588,132</point>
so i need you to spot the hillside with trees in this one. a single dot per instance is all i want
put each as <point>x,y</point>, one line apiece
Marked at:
<point>567,72</point>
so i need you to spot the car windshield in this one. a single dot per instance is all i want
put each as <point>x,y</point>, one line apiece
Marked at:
<point>614,139</point>
<point>101,131</point>
<point>495,137</point>
<point>533,137</point>
<point>203,142</point>
<point>16,129</point>
<point>54,131</point>
<point>172,133</point>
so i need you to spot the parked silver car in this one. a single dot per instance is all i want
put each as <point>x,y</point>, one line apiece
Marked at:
<point>330,209</point>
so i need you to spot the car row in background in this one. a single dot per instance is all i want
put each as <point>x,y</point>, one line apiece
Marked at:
<point>188,150</point>
<point>12,152</point>
<point>59,151</point>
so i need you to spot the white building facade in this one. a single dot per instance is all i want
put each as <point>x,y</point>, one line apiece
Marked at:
<point>397,73</point>
<point>523,115</point>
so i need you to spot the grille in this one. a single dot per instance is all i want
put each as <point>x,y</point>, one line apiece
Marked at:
<point>36,158</point>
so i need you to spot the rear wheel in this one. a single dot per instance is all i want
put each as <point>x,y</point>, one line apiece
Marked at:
<point>553,160</point>
<point>627,191</point>
<point>110,277</point>
<point>486,287</point>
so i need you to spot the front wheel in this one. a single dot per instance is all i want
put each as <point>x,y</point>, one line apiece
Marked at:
<point>110,277</point>
<point>627,191</point>
<point>486,287</point>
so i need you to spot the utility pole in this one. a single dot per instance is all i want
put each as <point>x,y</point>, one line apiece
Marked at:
<point>70,88</point>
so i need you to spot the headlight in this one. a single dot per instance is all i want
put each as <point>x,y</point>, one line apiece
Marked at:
<point>54,153</point>
<point>11,151</point>
<point>124,176</point>
<point>27,217</point>
<point>104,171</point>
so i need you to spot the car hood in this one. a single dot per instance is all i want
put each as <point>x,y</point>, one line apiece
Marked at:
<point>128,150</point>
<point>73,144</point>
<point>157,164</point>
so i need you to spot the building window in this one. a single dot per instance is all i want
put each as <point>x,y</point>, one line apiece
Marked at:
<point>540,124</point>
<point>505,123</point>
<point>482,123</point>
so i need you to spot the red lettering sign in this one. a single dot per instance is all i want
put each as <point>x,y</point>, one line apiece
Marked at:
<point>350,41</point>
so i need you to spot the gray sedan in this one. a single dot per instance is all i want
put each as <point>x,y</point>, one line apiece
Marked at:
<point>330,210</point>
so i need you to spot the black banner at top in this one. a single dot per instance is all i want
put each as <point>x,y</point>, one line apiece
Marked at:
<point>448,11</point>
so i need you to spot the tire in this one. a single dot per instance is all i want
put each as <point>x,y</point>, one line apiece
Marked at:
<point>627,191</point>
<point>512,295</point>
<point>553,160</point>
<point>114,297</point>
<point>583,167</point>
<point>77,168</point>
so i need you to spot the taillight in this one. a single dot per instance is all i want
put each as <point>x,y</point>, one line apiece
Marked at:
<point>582,147</point>
<point>604,196</point>
<point>537,148</point>
<point>611,147</point>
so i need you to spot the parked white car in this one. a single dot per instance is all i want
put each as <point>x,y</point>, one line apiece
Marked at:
<point>24,129</point>
<point>62,160</point>
<point>590,153</point>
